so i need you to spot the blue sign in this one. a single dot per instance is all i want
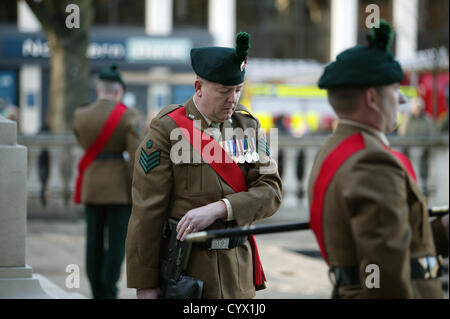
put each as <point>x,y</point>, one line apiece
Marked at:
<point>146,49</point>
<point>182,93</point>
<point>133,49</point>
<point>8,87</point>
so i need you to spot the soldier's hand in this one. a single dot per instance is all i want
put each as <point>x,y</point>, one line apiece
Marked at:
<point>199,218</point>
<point>150,293</point>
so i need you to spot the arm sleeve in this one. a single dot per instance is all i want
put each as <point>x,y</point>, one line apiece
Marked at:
<point>230,215</point>
<point>440,237</point>
<point>151,189</point>
<point>132,136</point>
<point>376,192</point>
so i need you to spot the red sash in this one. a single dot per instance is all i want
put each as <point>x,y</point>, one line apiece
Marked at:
<point>227,169</point>
<point>329,167</point>
<point>405,162</point>
<point>96,147</point>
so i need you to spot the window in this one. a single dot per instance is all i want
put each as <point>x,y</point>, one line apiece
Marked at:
<point>8,12</point>
<point>190,13</point>
<point>292,29</point>
<point>119,12</point>
<point>433,24</point>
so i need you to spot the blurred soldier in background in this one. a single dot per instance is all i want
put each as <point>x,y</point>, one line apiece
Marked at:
<point>106,129</point>
<point>420,124</point>
<point>367,212</point>
<point>444,125</point>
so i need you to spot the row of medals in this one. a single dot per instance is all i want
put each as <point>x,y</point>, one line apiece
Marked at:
<point>241,150</point>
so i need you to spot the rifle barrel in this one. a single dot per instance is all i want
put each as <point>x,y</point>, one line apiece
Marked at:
<point>243,231</point>
<point>438,211</point>
<point>268,229</point>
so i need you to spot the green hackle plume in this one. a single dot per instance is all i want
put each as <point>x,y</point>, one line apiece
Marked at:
<point>381,37</point>
<point>113,67</point>
<point>242,45</point>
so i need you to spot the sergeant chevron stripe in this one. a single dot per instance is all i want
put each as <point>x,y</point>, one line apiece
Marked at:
<point>149,161</point>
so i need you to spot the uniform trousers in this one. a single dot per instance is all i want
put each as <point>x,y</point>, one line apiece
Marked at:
<point>105,247</point>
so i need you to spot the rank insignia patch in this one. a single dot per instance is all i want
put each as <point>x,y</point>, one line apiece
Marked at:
<point>149,161</point>
<point>149,144</point>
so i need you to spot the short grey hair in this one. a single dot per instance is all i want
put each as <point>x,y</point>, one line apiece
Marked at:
<point>108,87</point>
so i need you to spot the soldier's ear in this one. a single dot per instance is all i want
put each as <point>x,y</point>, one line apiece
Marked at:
<point>372,99</point>
<point>198,85</point>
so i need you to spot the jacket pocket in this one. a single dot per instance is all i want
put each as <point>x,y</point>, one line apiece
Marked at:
<point>196,179</point>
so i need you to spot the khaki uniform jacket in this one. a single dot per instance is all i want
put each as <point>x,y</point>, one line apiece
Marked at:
<point>375,213</point>
<point>170,190</point>
<point>107,181</point>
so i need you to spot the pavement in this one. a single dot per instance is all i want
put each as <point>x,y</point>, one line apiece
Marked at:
<point>291,261</point>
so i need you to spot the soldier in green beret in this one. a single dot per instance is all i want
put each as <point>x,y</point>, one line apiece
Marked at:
<point>367,211</point>
<point>196,193</point>
<point>106,129</point>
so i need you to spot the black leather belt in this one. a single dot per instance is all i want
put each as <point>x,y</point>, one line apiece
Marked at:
<point>421,268</point>
<point>109,155</point>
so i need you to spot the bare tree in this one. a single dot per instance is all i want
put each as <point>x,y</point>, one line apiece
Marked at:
<point>68,40</point>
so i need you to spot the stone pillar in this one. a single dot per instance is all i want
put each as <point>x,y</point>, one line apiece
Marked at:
<point>406,13</point>
<point>31,99</point>
<point>26,20</point>
<point>30,76</point>
<point>344,26</point>
<point>16,280</point>
<point>222,22</point>
<point>159,17</point>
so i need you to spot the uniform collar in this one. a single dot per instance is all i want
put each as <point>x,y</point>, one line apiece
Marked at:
<point>194,114</point>
<point>380,135</point>
<point>207,120</point>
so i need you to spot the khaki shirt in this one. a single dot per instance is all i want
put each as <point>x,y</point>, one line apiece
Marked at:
<point>375,213</point>
<point>169,190</point>
<point>107,181</point>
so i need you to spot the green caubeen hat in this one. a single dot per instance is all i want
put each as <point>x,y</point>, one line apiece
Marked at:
<point>364,66</point>
<point>222,65</point>
<point>112,74</point>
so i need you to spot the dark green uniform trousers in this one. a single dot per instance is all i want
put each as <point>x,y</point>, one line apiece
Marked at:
<point>105,247</point>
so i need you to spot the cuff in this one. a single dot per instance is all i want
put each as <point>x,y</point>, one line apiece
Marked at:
<point>230,215</point>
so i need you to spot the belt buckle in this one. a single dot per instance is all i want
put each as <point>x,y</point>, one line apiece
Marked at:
<point>220,243</point>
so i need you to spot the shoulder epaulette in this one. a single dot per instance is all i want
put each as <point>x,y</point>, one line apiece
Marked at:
<point>240,109</point>
<point>167,109</point>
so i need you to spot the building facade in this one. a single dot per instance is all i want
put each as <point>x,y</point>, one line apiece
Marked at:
<point>150,40</point>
